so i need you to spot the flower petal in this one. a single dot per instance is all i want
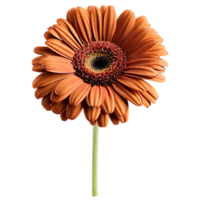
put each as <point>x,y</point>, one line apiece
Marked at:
<point>124,118</point>
<point>146,102</point>
<point>82,24</point>
<point>141,22</point>
<point>108,105</point>
<point>91,113</point>
<point>38,68</point>
<point>129,94</point>
<point>43,91</point>
<point>114,119</point>
<point>79,94</point>
<point>96,23</point>
<point>124,24</point>
<point>109,23</point>
<point>134,38</point>
<point>70,15</point>
<point>141,47</point>
<point>93,122</point>
<point>63,116</point>
<point>68,85</point>
<point>56,64</point>
<point>96,96</point>
<point>67,37</point>
<point>47,35</point>
<point>73,112</point>
<point>133,83</point>
<point>60,48</point>
<point>121,104</point>
<point>103,119</point>
<point>60,107</point>
<point>54,33</point>
<point>46,78</point>
<point>45,51</point>
<point>143,59</point>
<point>46,101</point>
<point>141,71</point>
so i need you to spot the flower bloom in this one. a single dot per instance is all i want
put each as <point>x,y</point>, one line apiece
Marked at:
<point>97,62</point>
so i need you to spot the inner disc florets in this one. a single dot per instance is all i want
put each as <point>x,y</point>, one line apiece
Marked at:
<point>99,63</point>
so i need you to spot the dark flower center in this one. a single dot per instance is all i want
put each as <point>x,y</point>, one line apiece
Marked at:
<point>99,63</point>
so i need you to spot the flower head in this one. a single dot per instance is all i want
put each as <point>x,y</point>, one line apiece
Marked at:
<point>97,62</point>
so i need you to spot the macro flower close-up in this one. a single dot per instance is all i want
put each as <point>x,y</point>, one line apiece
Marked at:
<point>99,63</point>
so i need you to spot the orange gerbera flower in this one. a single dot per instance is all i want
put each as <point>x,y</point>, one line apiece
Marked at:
<point>97,62</point>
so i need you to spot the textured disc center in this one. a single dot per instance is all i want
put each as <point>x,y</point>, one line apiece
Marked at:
<point>99,63</point>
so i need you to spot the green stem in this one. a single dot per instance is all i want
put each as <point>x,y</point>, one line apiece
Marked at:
<point>95,160</point>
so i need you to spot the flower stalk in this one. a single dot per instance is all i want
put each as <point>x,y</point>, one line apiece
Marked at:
<point>95,160</point>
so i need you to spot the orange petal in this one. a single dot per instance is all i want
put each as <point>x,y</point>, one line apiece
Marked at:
<point>47,35</point>
<point>45,51</point>
<point>124,118</point>
<point>134,38</point>
<point>109,24</point>
<point>82,24</point>
<point>96,96</point>
<point>36,60</point>
<point>103,119</point>
<point>143,59</point>
<point>73,112</point>
<point>43,91</point>
<point>129,94</point>
<point>124,24</point>
<point>79,94</point>
<point>70,15</point>
<point>114,119</point>
<point>91,113</point>
<point>38,68</point>
<point>60,107</point>
<point>96,23</point>
<point>93,122</point>
<point>56,64</point>
<point>108,105</point>
<point>46,78</point>
<point>60,48</point>
<point>141,47</point>
<point>63,116</point>
<point>54,33</point>
<point>67,37</point>
<point>146,102</point>
<point>133,83</point>
<point>46,101</point>
<point>67,85</point>
<point>121,104</point>
<point>157,68</point>
<point>162,62</point>
<point>141,71</point>
<point>141,22</point>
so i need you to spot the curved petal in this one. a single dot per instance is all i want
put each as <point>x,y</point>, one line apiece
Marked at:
<point>124,24</point>
<point>38,68</point>
<point>103,119</point>
<point>141,71</point>
<point>134,38</point>
<point>114,119</point>
<point>143,59</point>
<point>129,94</point>
<point>54,33</point>
<point>96,96</point>
<point>91,113</point>
<point>67,85</point>
<point>141,47</point>
<point>96,23</point>
<point>108,105</point>
<point>146,102</point>
<point>67,37</point>
<point>109,23</point>
<point>47,35</point>
<point>43,91</point>
<point>45,51</point>
<point>63,116</point>
<point>60,48</point>
<point>73,112</point>
<point>60,107</point>
<point>133,83</point>
<point>121,104</point>
<point>82,24</point>
<point>46,101</point>
<point>70,15</point>
<point>46,78</point>
<point>141,22</point>
<point>56,64</point>
<point>93,122</point>
<point>79,94</point>
<point>124,118</point>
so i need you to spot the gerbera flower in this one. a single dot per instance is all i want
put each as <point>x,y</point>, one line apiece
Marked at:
<point>97,62</point>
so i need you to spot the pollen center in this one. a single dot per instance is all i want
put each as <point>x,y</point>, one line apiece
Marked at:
<point>99,63</point>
